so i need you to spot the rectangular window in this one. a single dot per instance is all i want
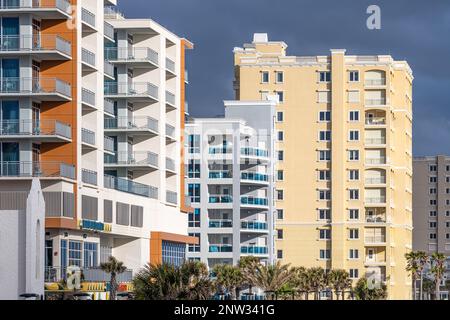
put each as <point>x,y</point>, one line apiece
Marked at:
<point>433,179</point>
<point>324,175</point>
<point>194,218</point>
<point>325,135</point>
<point>433,168</point>
<point>353,76</point>
<point>194,168</point>
<point>279,254</point>
<point>280,214</point>
<point>280,135</point>
<point>353,116</point>
<point>324,214</point>
<point>194,143</point>
<point>353,254</point>
<point>433,213</point>
<point>353,135</point>
<point>194,247</point>
<point>354,273</point>
<point>280,175</point>
<point>433,224</point>
<point>324,155</point>
<point>353,175</point>
<point>280,116</point>
<point>324,194</point>
<point>194,192</point>
<point>353,96</point>
<point>90,255</point>
<point>353,234</point>
<point>280,95</point>
<point>324,97</point>
<point>354,194</point>
<point>325,76</point>
<point>280,155</point>
<point>433,236</point>
<point>75,253</point>
<point>433,190</point>
<point>265,77</point>
<point>433,202</point>
<point>324,234</point>
<point>279,76</point>
<point>280,234</point>
<point>280,195</point>
<point>353,214</point>
<point>353,155</point>
<point>325,254</point>
<point>324,116</point>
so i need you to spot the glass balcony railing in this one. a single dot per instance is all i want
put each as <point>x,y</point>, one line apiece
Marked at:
<point>220,248</point>
<point>35,86</point>
<point>254,250</point>
<point>254,225</point>
<point>131,55</point>
<point>88,17</point>
<point>375,239</point>
<point>376,219</point>
<point>254,176</point>
<point>170,65</point>
<point>35,43</point>
<point>108,144</point>
<point>170,131</point>
<point>220,223</point>
<point>375,121</point>
<point>171,197</point>
<point>129,186</point>
<point>35,128</point>
<point>28,169</point>
<point>254,201</point>
<point>375,141</point>
<point>220,150</point>
<point>87,57</point>
<point>135,89</point>
<point>133,123</point>
<point>89,177</point>
<point>137,158</point>
<point>220,199</point>
<point>108,30</point>
<point>375,102</point>
<point>87,136</point>
<point>377,180</point>
<point>374,161</point>
<point>254,152</point>
<point>375,82</point>
<point>220,175</point>
<point>88,97</point>
<point>375,200</point>
<point>62,5</point>
<point>170,164</point>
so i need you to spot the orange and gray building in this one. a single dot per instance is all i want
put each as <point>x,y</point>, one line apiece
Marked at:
<point>93,104</point>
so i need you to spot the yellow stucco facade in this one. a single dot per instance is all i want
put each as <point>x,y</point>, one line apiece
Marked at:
<point>355,111</point>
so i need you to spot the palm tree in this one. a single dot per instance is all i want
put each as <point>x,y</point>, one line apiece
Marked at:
<point>189,281</point>
<point>339,280</point>
<point>271,278</point>
<point>423,259</point>
<point>247,265</point>
<point>437,270</point>
<point>318,280</point>
<point>301,281</point>
<point>363,292</point>
<point>413,266</point>
<point>228,277</point>
<point>113,267</point>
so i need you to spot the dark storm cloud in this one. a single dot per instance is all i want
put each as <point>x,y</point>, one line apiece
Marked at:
<point>414,30</point>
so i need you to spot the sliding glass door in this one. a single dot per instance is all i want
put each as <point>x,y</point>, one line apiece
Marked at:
<point>10,159</point>
<point>9,117</point>
<point>9,29</point>
<point>10,75</point>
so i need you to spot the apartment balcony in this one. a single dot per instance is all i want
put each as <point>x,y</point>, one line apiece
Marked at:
<point>254,153</point>
<point>170,165</point>
<point>108,70</point>
<point>108,144</point>
<point>40,47</point>
<point>133,92</point>
<point>88,21</point>
<point>135,126</point>
<point>88,99</point>
<point>170,69</point>
<point>376,161</point>
<point>36,130</point>
<point>254,226</point>
<point>48,9</point>
<point>375,181</point>
<point>31,169</point>
<point>138,160</point>
<point>217,248</point>
<point>221,198</point>
<point>376,219</point>
<point>220,174</point>
<point>108,31</point>
<point>108,107</point>
<point>170,101</point>
<point>220,223</point>
<point>129,186</point>
<point>143,57</point>
<point>254,177</point>
<point>375,240</point>
<point>375,200</point>
<point>376,102</point>
<point>46,89</point>
<point>89,177</point>
<point>249,201</point>
<point>255,250</point>
<point>88,139</point>
<point>171,197</point>
<point>376,121</point>
<point>375,82</point>
<point>170,134</point>
<point>111,12</point>
<point>220,150</point>
<point>375,142</point>
<point>88,60</point>
<point>56,274</point>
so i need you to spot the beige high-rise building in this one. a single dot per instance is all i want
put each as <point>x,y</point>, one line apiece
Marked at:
<point>344,146</point>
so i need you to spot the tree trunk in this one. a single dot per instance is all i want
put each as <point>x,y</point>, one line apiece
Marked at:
<point>113,287</point>
<point>414,288</point>
<point>421,286</point>
<point>437,289</point>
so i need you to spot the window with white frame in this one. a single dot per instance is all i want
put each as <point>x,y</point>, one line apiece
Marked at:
<point>324,175</point>
<point>280,194</point>
<point>324,194</point>
<point>433,236</point>
<point>353,214</point>
<point>324,96</point>
<point>354,273</point>
<point>353,155</point>
<point>353,76</point>
<point>324,234</point>
<point>325,135</point>
<point>324,254</point>
<point>353,254</point>
<point>353,96</point>
<point>280,116</point>
<point>280,214</point>
<point>353,234</point>
<point>433,190</point>
<point>433,167</point>
<point>433,213</point>
<point>354,194</point>
<point>324,214</point>
<point>433,202</point>
<point>433,179</point>
<point>432,224</point>
<point>353,135</point>
<point>280,136</point>
<point>280,175</point>
<point>324,116</point>
<point>324,76</point>
<point>353,175</point>
<point>280,95</point>
<point>280,155</point>
<point>324,155</point>
<point>353,116</point>
<point>265,77</point>
<point>279,75</point>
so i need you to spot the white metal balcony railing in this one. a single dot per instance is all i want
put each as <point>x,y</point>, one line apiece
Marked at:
<point>130,186</point>
<point>375,141</point>
<point>135,89</point>
<point>35,86</point>
<point>88,17</point>
<point>88,96</point>
<point>170,98</point>
<point>375,200</point>
<point>132,54</point>
<point>108,30</point>
<point>377,180</point>
<point>88,136</point>
<point>63,5</point>
<point>375,161</point>
<point>138,158</point>
<point>375,239</point>
<point>170,131</point>
<point>35,128</point>
<point>89,176</point>
<point>171,197</point>
<point>170,164</point>
<point>108,69</point>
<point>88,57</point>
<point>35,43</point>
<point>376,219</point>
<point>108,106</point>
<point>28,169</point>
<point>108,144</point>
<point>375,82</point>
<point>375,121</point>
<point>375,102</point>
<point>134,123</point>
<point>170,65</point>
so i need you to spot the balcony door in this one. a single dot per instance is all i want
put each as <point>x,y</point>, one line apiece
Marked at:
<point>10,34</point>
<point>9,117</point>
<point>10,75</point>
<point>35,74</point>
<point>370,255</point>
<point>10,159</point>
<point>36,26</point>
<point>36,158</point>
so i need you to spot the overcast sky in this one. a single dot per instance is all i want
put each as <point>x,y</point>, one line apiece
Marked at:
<point>414,30</point>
